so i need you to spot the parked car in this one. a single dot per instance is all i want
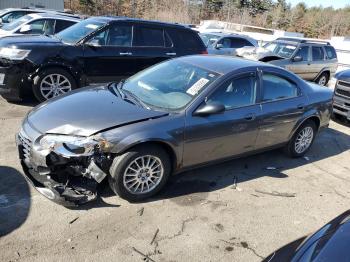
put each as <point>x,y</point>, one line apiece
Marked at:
<point>341,100</point>
<point>311,60</point>
<point>43,23</point>
<point>179,114</point>
<point>98,49</point>
<point>330,243</point>
<point>226,44</point>
<point>10,14</point>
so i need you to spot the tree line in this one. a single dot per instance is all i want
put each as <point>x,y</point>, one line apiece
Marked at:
<point>315,22</point>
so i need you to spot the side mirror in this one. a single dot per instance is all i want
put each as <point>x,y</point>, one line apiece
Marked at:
<point>25,29</point>
<point>297,59</point>
<point>219,46</point>
<point>210,108</point>
<point>93,42</point>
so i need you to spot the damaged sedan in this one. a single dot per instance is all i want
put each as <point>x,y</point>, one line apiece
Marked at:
<point>174,116</point>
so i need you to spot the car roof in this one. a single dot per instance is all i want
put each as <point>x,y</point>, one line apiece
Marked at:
<point>221,64</point>
<point>129,19</point>
<point>53,15</point>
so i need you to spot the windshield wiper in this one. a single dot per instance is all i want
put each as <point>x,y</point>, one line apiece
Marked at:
<point>136,99</point>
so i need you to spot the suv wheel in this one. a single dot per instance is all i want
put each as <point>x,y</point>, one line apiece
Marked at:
<point>139,173</point>
<point>52,82</point>
<point>323,79</point>
<point>302,139</point>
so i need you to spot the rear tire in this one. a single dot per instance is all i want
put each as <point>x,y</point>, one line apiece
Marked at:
<point>323,79</point>
<point>302,140</point>
<point>52,82</point>
<point>140,173</point>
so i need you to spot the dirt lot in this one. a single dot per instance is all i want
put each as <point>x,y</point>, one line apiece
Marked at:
<point>200,216</point>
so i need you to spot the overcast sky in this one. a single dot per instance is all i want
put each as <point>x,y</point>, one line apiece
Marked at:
<point>324,3</point>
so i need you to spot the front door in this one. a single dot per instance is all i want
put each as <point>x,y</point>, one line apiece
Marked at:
<point>108,56</point>
<point>301,68</point>
<point>224,135</point>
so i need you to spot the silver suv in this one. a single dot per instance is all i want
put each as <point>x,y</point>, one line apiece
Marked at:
<point>310,59</point>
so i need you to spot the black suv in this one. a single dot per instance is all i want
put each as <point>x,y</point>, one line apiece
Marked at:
<point>96,50</point>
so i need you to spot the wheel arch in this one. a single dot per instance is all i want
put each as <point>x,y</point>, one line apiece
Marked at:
<point>324,70</point>
<point>314,117</point>
<point>163,144</point>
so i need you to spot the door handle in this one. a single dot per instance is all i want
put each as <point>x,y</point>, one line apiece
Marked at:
<point>250,117</point>
<point>126,53</point>
<point>171,54</point>
<point>301,106</point>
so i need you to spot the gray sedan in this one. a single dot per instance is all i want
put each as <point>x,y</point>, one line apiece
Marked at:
<point>174,116</point>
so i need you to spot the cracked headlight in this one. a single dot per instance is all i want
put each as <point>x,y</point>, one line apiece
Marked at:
<point>70,145</point>
<point>13,53</point>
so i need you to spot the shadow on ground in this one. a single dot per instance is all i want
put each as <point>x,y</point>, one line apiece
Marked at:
<point>192,187</point>
<point>15,200</point>
<point>341,120</point>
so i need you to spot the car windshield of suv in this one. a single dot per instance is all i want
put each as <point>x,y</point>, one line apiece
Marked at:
<point>284,50</point>
<point>73,34</point>
<point>170,85</point>
<point>209,39</point>
<point>16,23</point>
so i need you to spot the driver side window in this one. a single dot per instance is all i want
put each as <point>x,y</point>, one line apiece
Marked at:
<point>303,52</point>
<point>226,42</point>
<point>236,93</point>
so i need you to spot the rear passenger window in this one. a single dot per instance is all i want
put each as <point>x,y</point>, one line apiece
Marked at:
<point>240,42</point>
<point>61,25</point>
<point>188,39</point>
<point>317,53</point>
<point>236,93</point>
<point>275,88</point>
<point>147,36</point>
<point>330,51</point>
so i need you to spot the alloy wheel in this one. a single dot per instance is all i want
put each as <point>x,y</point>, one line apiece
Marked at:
<point>54,85</point>
<point>143,174</point>
<point>322,81</point>
<point>304,139</point>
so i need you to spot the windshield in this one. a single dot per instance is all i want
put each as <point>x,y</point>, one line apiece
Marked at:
<point>16,23</point>
<point>170,85</point>
<point>209,39</point>
<point>73,34</point>
<point>284,50</point>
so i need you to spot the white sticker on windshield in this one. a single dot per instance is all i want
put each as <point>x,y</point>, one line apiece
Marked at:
<point>291,47</point>
<point>91,26</point>
<point>196,87</point>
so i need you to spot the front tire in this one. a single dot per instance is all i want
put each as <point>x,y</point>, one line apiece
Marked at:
<point>52,82</point>
<point>140,173</point>
<point>302,140</point>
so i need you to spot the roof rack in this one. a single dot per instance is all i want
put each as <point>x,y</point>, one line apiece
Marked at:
<point>303,40</point>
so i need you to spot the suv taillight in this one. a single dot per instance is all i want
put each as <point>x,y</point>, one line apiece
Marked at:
<point>205,52</point>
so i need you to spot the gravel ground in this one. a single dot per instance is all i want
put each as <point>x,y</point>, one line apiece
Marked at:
<point>199,216</point>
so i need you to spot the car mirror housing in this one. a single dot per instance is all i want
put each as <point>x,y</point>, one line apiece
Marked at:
<point>209,109</point>
<point>297,59</point>
<point>25,29</point>
<point>219,46</point>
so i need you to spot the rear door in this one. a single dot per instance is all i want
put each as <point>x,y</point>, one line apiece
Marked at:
<point>108,55</point>
<point>282,104</point>
<point>151,45</point>
<point>303,67</point>
<point>318,61</point>
<point>233,132</point>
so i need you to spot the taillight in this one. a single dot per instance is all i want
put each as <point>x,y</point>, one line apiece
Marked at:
<point>205,52</point>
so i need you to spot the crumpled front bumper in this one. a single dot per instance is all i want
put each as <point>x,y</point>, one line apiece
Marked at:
<point>60,185</point>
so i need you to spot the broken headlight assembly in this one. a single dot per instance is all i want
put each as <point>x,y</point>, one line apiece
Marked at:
<point>13,53</point>
<point>70,146</point>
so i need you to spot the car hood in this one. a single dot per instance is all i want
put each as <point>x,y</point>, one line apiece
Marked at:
<point>86,112</point>
<point>343,75</point>
<point>254,53</point>
<point>4,33</point>
<point>28,40</point>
